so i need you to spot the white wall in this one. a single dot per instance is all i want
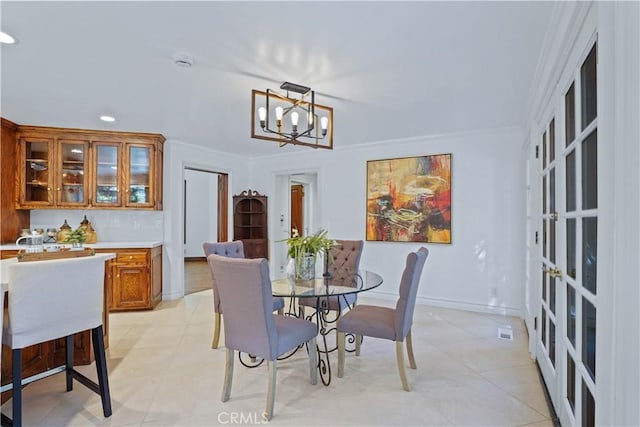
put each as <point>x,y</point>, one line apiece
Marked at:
<point>482,269</point>
<point>177,156</point>
<point>110,225</point>
<point>201,211</point>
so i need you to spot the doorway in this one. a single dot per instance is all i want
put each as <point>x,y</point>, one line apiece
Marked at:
<point>295,204</point>
<point>205,220</point>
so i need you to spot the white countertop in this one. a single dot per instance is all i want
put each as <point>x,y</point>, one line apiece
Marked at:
<point>99,245</point>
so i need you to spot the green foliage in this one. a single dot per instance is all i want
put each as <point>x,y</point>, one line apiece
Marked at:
<point>76,236</point>
<point>308,245</point>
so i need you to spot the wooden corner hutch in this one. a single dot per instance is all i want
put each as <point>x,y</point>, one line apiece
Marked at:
<point>250,223</point>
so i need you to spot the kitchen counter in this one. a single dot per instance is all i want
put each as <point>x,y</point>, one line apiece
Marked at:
<point>100,245</point>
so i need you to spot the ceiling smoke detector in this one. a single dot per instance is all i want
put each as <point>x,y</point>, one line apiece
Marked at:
<point>183,60</point>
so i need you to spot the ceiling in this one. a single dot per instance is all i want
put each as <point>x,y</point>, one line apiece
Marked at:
<point>390,70</point>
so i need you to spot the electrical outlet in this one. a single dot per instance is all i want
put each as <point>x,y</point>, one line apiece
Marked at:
<point>505,332</point>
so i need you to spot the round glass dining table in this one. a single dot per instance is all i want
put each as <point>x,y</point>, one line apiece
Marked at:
<point>339,284</point>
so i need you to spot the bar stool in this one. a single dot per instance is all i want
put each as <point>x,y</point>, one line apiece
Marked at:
<point>50,300</point>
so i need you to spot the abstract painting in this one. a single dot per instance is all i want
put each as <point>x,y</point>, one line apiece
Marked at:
<point>409,199</point>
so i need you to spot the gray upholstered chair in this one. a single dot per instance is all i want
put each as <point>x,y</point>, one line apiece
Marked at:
<point>345,255</point>
<point>50,300</point>
<point>233,249</point>
<point>250,325</point>
<point>387,323</point>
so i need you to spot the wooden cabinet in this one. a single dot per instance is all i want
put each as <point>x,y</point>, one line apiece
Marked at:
<point>250,223</point>
<point>136,279</point>
<point>12,220</point>
<point>80,169</point>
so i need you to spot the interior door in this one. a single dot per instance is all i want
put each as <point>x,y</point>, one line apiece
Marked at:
<point>566,331</point>
<point>297,208</point>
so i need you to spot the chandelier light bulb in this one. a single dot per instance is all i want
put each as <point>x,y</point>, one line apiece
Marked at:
<point>324,124</point>
<point>294,118</point>
<point>310,119</point>
<point>279,113</point>
<point>262,113</point>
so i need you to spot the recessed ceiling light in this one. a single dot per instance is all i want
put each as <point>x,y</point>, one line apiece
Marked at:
<point>108,119</point>
<point>6,38</point>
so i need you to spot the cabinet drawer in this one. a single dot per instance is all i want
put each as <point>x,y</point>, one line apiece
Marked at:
<point>131,258</point>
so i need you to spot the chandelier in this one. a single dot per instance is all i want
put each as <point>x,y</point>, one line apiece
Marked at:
<point>292,117</point>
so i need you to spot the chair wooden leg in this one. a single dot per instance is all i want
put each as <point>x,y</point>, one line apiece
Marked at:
<point>341,339</point>
<point>97,336</point>
<point>68,351</point>
<point>280,311</point>
<point>412,360</point>
<point>228,375</point>
<point>400,360</point>
<point>358,341</point>
<point>271,391</point>
<point>216,330</point>
<point>17,387</point>
<point>313,360</point>
<point>301,311</point>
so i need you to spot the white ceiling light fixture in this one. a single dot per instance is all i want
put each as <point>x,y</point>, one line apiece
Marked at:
<point>108,119</point>
<point>269,110</point>
<point>6,38</point>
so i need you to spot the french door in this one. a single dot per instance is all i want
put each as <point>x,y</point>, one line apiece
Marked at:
<point>568,304</point>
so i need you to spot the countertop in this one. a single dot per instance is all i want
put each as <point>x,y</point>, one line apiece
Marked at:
<point>99,245</point>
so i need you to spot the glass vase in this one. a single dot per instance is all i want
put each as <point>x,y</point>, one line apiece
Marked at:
<point>305,267</point>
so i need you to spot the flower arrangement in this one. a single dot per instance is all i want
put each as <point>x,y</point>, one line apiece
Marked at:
<point>304,249</point>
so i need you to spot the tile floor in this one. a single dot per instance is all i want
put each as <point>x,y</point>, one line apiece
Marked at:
<point>163,373</point>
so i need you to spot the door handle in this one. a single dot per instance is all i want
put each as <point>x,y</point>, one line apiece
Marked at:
<point>553,272</point>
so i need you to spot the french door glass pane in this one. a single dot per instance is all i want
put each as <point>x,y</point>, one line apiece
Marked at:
<point>571,181</point>
<point>552,190</point>
<point>544,237</point>
<point>552,342</point>
<point>590,171</point>
<point>552,241</point>
<point>571,247</point>
<point>552,140</point>
<point>589,337</point>
<point>552,294</point>
<point>571,314</point>
<point>588,407</point>
<point>570,115</point>
<point>544,150</point>
<point>544,328</point>
<point>544,287</point>
<point>544,195</point>
<point>589,253</point>
<point>588,85</point>
<point>571,383</point>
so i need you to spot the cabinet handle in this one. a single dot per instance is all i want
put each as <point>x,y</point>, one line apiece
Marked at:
<point>48,188</point>
<point>130,256</point>
<point>58,188</point>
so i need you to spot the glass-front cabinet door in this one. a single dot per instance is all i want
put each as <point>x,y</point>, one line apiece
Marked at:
<point>107,174</point>
<point>139,176</point>
<point>71,170</point>
<point>36,179</point>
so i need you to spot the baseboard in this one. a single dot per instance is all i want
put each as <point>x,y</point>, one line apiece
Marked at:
<point>194,258</point>
<point>453,304</point>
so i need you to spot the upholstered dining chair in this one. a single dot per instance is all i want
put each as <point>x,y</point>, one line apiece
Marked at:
<point>387,323</point>
<point>250,325</point>
<point>345,255</point>
<point>55,299</point>
<point>233,249</point>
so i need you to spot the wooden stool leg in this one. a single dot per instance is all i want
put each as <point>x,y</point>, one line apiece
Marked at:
<point>68,351</point>
<point>17,387</point>
<point>101,368</point>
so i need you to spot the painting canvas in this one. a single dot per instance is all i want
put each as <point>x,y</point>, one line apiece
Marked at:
<point>409,199</point>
